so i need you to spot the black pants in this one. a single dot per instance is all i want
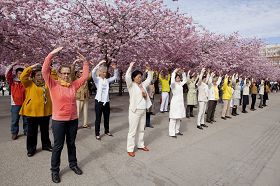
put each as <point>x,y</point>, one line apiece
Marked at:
<point>60,130</point>
<point>190,110</point>
<point>254,97</point>
<point>148,119</point>
<point>211,110</point>
<point>32,132</point>
<point>99,109</point>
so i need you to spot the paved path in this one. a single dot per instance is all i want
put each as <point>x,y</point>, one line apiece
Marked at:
<point>241,151</point>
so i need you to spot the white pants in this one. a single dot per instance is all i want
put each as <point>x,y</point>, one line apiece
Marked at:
<point>226,108</point>
<point>83,105</point>
<point>137,122</point>
<point>201,112</point>
<point>174,126</point>
<point>164,101</point>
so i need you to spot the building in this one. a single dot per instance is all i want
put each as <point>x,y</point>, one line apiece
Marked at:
<point>272,52</point>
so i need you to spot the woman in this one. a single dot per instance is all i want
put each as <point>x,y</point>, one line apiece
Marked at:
<point>254,92</point>
<point>191,95</point>
<point>246,92</point>
<point>266,91</point>
<point>36,108</point>
<point>139,101</point>
<point>202,98</point>
<point>82,96</point>
<point>236,94</point>
<point>227,95</point>
<point>177,106</point>
<point>102,102</point>
<point>150,111</point>
<point>64,112</point>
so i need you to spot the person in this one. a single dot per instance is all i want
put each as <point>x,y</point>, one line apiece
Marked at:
<point>227,95</point>
<point>165,89</point>
<point>213,97</point>
<point>17,99</point>
<point>266,91</point>
<point>102,102</point>
<point>254,92</point>
<point>177,106</point>
<point>261,93</point>
<point>37,108</point>
<point>151,93</point>
<point>191,95</point>
<point>202,98</point>
<point>82,96</point>
<point>64,112</point>
<point>139,101</point>
<point>236,94</point>
<point>2,87</point>
<point>246,92</point>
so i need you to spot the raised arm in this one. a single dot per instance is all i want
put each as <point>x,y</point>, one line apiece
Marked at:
<point>200,76</point>
<point>219,80</point>
<point>113,78</point>
<point>94,70</point>
<point>46,69</point>
<point>173,78</point>
<point>9,73</point>
<point>79,82</point>
<point>149,79</point>
<point>128,79</point>
<point>25,76</point>
<point>185,79</point>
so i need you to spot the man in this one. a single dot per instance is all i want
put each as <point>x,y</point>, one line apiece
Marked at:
<point>17,99</point>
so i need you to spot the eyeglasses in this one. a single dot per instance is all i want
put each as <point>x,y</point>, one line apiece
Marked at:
<point>65,73</point>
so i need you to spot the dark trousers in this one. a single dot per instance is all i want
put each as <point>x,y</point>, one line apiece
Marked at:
<point>60,130</point>
<point>211,110</point>
<point>254,97</point>
<point>190,110</point>
<point>15,120</point>
<point>99,109</point>
<point>148,119</point>
<point>32,133</point>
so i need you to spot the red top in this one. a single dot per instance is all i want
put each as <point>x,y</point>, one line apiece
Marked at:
<point>63,98</point>
<point>17,89</point>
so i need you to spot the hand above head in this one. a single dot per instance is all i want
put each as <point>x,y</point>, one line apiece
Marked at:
<point>113,65</point>
<point>148,67</point>
<point>131,64</point>
<point>55,51</point>
<point>35,65</point>
<point>81,57</point>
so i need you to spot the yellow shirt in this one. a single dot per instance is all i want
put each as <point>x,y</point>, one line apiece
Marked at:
<point>216,92</point>
<point>165,87</point>
<point>37,101</point>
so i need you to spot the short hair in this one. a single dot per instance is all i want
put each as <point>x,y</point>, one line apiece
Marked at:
<point>178,75</point>
<point>135,73</point>
<point>19,70</point>
<point>34,72</point>
<point>64,66</point>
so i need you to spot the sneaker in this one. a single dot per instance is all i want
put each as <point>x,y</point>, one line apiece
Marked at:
<point>98,138</point>
<point>108,134</point>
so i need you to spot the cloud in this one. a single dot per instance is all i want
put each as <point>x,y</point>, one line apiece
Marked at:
<point>251,18</point>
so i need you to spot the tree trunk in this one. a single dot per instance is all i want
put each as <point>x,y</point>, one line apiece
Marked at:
<point>120,83</point>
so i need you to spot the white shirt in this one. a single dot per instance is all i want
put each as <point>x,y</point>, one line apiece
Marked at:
<point>102,85</point>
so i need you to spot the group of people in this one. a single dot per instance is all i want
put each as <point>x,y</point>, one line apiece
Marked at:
<point>40,93</point>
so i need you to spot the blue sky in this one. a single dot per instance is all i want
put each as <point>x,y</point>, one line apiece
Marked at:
<point>251,18</point>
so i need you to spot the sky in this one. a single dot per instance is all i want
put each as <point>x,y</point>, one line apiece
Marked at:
<point>251,18</point>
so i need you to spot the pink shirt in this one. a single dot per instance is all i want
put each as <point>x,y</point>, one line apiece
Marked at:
<point>63,98</point>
